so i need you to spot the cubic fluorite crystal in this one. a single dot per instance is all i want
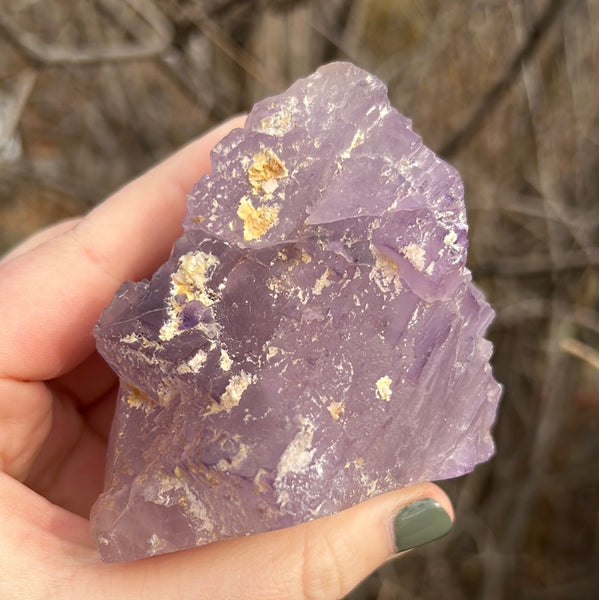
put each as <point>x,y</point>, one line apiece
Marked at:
<point>314,339</point>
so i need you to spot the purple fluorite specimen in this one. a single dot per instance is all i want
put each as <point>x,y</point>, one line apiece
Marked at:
<point>314,339</point>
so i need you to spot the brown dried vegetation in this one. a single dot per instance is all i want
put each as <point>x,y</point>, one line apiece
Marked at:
<point>94,91</point>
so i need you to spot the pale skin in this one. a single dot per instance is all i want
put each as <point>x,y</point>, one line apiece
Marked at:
<point>56,404</point>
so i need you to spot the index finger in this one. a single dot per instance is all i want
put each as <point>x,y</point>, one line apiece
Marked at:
<point>51,296</point>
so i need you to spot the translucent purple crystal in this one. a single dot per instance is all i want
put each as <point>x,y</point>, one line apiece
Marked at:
<point>314,339</point>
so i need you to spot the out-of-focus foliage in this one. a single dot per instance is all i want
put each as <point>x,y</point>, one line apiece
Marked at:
<point>94,91</point>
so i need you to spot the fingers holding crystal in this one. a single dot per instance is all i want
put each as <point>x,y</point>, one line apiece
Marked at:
<point>62,285</point>
<point>53,288</point>
<point>324,559</point>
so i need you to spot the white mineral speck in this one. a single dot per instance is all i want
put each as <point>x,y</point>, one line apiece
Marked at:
<point>383,388</point>
<point>385,273</point>
<point>322,282</point>
<point>415,254</point>
<point>234,390</point>
<point>226,362</point>
<point>451,238</point>
<point>336,409</point>
<point>197,360</point>
<point>191,279</point>
<point>298,454</point>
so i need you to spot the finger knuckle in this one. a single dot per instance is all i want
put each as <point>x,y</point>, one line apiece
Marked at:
<point>322,572</point>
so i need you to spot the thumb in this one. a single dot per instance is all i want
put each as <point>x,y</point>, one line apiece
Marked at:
<point>323,559</point>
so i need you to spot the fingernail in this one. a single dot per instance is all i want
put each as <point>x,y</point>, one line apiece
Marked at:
<point>419,523</point>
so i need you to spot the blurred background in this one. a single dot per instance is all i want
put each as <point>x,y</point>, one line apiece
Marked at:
<point>92,92</point>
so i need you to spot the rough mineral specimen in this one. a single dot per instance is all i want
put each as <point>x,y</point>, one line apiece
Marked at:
<point>314,339</point>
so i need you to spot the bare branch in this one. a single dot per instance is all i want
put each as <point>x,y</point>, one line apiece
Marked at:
<point>250,64</point>
<point>42,54</point>
<point>491,99</point>
<point>579,350</point>
<point>10,113</point>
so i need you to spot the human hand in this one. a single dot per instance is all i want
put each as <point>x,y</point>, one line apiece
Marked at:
<point>57,400</point>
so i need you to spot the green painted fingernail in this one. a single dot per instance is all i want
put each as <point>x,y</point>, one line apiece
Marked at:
<point>419,523</point>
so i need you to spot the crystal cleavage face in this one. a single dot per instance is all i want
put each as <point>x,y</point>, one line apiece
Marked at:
<point>314,340</point>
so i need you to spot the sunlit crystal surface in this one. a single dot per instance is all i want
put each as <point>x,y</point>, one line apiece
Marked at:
<point>314,339</point>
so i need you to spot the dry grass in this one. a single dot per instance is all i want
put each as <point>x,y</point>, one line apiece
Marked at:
<point>94,91</point>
